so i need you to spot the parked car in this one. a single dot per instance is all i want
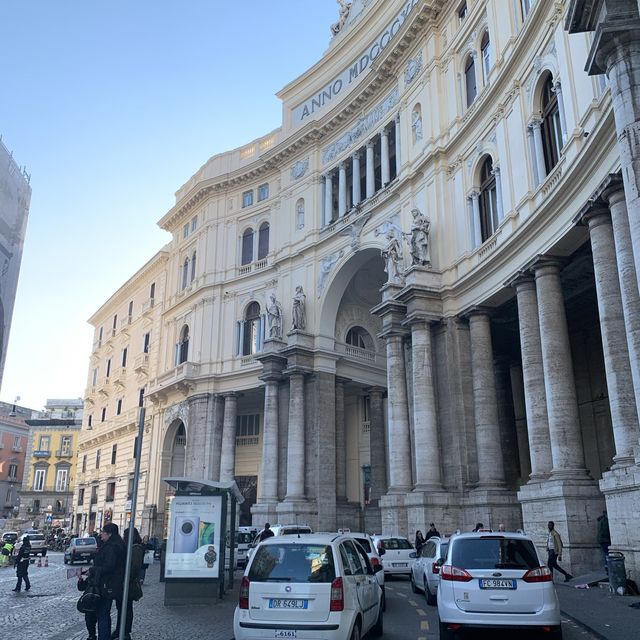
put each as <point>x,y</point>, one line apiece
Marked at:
<point>399,554</point>
<point>425,572</point>
<point>290,529</point>
<point>81,550</point>
<point>312,586</point>
<point>244,539</point>
<point>366,542</point>
<point>38,544</point>
<point>496,580</point>
<point>9,536</point>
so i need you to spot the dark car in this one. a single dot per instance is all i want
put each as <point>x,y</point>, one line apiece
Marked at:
<point>81,550</point>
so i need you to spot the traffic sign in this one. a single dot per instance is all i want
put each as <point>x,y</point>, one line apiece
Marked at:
<point>49,518</point>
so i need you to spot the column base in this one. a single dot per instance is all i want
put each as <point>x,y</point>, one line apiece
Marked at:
<point>349,515</point>
<point>437,506</point>
<point>492,506</point>
<point>393,514</point>
<point>297,512</point>
<point>621,489</point>
<point>262,512</point>
<point>573,505</point>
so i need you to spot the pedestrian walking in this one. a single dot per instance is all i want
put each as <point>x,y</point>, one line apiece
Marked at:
<point>108,575</point>
<point>432,531</point>
<point>554,551</point>
<point>90,617</point>
<point>22,565</point>
<point>135,590</point>
<point>419,541</point>
<point>604,538</point>
<point>264,534</point>
<point>147,546</point>
<point>478,526</point>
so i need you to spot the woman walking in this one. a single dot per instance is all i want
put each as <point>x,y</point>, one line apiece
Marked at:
<point>22,565</point>
<point>419,541</point>
<point>135,591</point>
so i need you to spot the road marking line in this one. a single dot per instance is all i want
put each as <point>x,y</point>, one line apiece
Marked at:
<point>421,612</point>
<point>403,595</point>
<point>413,603</point>
<point>424,625</point>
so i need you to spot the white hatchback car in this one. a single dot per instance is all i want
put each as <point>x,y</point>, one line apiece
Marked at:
<point>425,573</point>
<point>308,587</point>
<point>369,547</point>
<point>399,554</point>
<point>496,580</point>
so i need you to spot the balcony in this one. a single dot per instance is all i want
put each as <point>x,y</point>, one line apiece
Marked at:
<point>109,499</point>
<point>141,363</point>
<point>64,453</point>
<point>148,306</point>
<point>182,378</point>
<point>119,375</point>
<point>41,453</point>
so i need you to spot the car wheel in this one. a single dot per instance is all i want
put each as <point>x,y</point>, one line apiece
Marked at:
<point>431,598</point>
<point>65,561</point>
<point>445,632</point>
<point>414,588</point>
<point>355,634</point>
<point>378,628</point>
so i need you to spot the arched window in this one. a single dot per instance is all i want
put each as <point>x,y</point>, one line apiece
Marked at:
<point>263,240</point>
<point>359,337</point>
<point>251,330</point>
<point>185,274</point>
<point>183,345</point>
<point>193,267</point>
<point>551,127</point>
<point>485,48</point>
<point>488,200</point>
<point>247,247</point>
<point>178,451</point>
<point>300,214</point>
<point>470,80</point>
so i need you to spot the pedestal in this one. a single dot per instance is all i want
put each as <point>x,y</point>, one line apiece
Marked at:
<point>263,512</point>
<point>439,507</point>
<point>492,507</point>
<point>348,517</point>
<point>393,514</point>
<point>297,512</point>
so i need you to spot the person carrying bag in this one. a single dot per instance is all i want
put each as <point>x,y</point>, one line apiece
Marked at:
<point>135,590</point>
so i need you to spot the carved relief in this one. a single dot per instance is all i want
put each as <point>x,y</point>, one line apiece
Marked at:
<point>414,67</point>
<point>299,169</point>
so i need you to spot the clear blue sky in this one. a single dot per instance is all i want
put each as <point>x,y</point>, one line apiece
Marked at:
<point>112,106</point>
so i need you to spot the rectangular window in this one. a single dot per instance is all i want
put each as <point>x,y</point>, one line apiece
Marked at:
<point>16,443</point>
<point>185,230</point>
<point>124,356</point>
<point>141,397</point>
<point>38,479</point>
<point>100,335</point>
<point>65,445</point>
<point>94,379</point>
<point>115,322</point>
<point>263,192</point>
<point>90,420</point>
<point>119,406</point>
<point>247,198</point>
<point>80,496</point>
<point>103,415</point>
<point>98,459</point>
<point>114,453</point>
<point>152,290</point>
<point>462,12</point>
<point>84,463</point>
<point>62,476</point>
<point>146,342</point>
<point>108,368</point>
<point>13,471</point>
<point>44,443</point>
<point>111,491</point>
<point>194,224</point>
<point>130,314</point>
<point>94,495</point>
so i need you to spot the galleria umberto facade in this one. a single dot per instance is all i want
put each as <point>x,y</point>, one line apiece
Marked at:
<point>416,300</point>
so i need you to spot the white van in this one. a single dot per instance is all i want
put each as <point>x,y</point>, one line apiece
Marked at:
<point>244,538</point>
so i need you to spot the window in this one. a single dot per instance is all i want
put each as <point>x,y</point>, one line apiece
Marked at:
<point>470,80</point>
<point>62,478</point>
<point>263,192</point>
<point>124,357</point>
<point>119,406</point>
<point>130,314</point>
<point>462,12</point>
<point>488,200</point>
<point>141,397</point>
<point>251,330</point>
<point>485,48</point>
<point>13,471</point>
<point>39,479</point>
<point>263,240</point>
<point>185,274</point>
<point>36,506</point>
<point>103,415</point>
<point>94,495</point>
<point>152,291</point>
<point>247,199</point>
<point>185,231</point>
<point>526,5</point>
<point>90,420</point>
<point>108,368</point>
<point>81,496</point>
<point>98,459</point>
<point>551,127</point>
<point>84,463</point>
<point>193,267</point>
<point>145,343</point>
<point>358,337</point>
<point>65,445</point>
<point>94,378</point>
<point>194,224</point>
<point>300,214</point>
<point>183,345</point>
<point>115,322</point>
<point>100,334</point>
<point>16,443</point>
<point>111,492</point>
<point>247,247</point>
<point>114,453</point>
<point>248,426</point>
<point>44,444</point>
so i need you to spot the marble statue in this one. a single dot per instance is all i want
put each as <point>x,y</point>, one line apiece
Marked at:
<point>392,255</point>
<point>416,125</point>
<point>344,14</point>
<point>299,313</point>
<point>418,238</point>
<point>274,317</point>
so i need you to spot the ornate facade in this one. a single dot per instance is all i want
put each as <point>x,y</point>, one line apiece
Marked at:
<point>414,301</point>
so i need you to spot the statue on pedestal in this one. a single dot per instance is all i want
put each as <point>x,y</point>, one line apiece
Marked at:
<point>392,255</point>
<point>274,317</point>
<point>299,313</point>
<point>418,239</point>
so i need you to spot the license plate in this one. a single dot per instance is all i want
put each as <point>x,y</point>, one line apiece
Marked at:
<point>286,633</point>
<point>399,564</point>
<point>497,583</point>
<point>287,603</point>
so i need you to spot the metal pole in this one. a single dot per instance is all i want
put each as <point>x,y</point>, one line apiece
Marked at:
<point>134,500</point>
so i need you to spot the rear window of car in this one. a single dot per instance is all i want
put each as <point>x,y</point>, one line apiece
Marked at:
<point>288,531</point>
<point>293,563</point>
<point>396,543</point>
<point>245,538</point>
<point>364,543</point>
<point>36,537</point>
<point>494,553</point>
<point>85,542</point>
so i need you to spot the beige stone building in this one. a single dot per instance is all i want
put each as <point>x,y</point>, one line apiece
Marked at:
<point>415,301</point>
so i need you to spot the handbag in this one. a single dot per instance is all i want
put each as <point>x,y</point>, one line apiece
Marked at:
<point>88,601</point>
<point>135,590</point>
<point>148,557</point>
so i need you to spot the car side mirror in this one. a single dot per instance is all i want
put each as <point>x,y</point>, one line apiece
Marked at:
<point>377,568</point>
<point>439,562</point>
<point>381,552</point>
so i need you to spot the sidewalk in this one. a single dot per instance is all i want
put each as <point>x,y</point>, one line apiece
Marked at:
<point>606,615</point>
<point>153,621</point>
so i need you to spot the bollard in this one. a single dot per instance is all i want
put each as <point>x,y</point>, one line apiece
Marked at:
<point>39,562</point>
<point>46,562</point>
<point>617,573</point>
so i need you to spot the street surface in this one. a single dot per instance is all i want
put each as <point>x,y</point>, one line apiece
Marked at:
<point>48,611</point>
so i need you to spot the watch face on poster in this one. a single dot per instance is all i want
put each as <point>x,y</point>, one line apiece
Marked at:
<point>210,556</point>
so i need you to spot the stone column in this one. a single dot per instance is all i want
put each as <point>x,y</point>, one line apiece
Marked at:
<point>520,416</point>
<point>384,157</point>
<point>496,173</point>
<point>216,440</point>
<point>614,339</point>
<point>557,89</point>
<point>269,463</point>
<point>342,189</point>
<point>228,456</point>
<point>398,158</point>
<point>485,406</point>
<point>355,186</point>
<point>341,444</point>
<point>398,408</point>
<point>477,228</point>
<point>567,451</point>
<point>425,420</point>
<point>295,450</point>
<point>532,152</point>
<point>539,149</point>
<point>328,198</point>
<point>377,443</point>
<point>533,375</point>
<point>371,176</point>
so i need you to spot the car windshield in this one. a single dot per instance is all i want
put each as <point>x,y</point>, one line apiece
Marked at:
<point>87,542</point>
<point>364,543</point>
<point>396,543</point>
<point>293,563</point>
<point>245,538</point>
<point>494,553</point>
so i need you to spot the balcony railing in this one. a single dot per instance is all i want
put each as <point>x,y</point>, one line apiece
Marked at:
<point>360,353</point>
<point>16,448</point>
<point>64,453</point>
<point>41,453</point>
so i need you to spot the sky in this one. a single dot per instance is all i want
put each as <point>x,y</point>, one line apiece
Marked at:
<point>112,106</point>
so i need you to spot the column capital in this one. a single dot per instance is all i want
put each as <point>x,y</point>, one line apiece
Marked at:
<point>478,311</point>
<point>342,166</point>
<point>546,262</point>
<point>416,319</point>
<point>230,394</point>
<point>375,391</point>
<point>340,380</point>
<point>357,153</point>
<point>612,189</point>
<point>474,195</point>
<point>370,144</point>
<point>535,123</point>
<point>593,214</point>
<point>521,280</point>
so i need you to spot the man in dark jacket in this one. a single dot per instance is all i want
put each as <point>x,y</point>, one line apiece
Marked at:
<point>135,591</point>
<point>604,538</point>
<point>108,575</point>
<point>22,565</point>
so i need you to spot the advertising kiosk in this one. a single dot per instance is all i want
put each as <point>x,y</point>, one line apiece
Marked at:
<point>194,559</point>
